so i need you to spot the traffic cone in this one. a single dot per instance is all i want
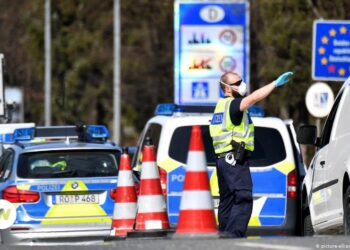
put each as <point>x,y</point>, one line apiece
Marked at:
<point>196,209</point>
<point>151,214</point>
<point>125,199</point>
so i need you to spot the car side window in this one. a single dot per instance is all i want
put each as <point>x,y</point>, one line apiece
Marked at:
<point>2,164</point>
<point>6,165</point>
<point>342,127</point>
<point>327,130</point>
<point>153,131</point>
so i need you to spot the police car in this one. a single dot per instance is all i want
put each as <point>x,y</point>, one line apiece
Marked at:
<point>276,165</point>
<point>62,184</point>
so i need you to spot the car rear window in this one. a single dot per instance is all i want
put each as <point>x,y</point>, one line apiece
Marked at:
<point>63,164</point>
<point>180,140</point>
<point>269,146</point>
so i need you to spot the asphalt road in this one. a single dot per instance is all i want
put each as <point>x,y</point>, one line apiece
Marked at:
<point>283,243</point>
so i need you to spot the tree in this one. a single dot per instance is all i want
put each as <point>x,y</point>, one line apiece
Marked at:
<point>147,52</point>
<point>285,43</point>
<point>82,36</point>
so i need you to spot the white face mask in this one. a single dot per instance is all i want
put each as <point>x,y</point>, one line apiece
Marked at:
<point>242,89</point>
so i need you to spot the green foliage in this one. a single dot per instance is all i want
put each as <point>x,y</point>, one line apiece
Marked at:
<point>82,61</point>
<point>82,65</point>
<point>147,56</point>
<point>286,35</point>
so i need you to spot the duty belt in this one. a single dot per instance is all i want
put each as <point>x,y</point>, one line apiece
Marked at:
<point>247,154</point>
<point>222,155</point>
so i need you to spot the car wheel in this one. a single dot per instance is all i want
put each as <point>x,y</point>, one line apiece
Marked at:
<point>346,204</point>
<point>308,229</point>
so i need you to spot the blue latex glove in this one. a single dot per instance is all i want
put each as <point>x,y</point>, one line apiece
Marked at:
<point>283,79</point>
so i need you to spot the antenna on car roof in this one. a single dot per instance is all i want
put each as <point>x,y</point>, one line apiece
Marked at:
<point>80,128</point>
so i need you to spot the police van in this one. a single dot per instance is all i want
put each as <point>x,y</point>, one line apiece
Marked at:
<point>62,182</point>
<point>276,164</point>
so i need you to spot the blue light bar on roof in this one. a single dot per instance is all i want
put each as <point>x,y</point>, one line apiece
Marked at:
<point>165,109</point>
<point>97,131</point>
<point>6,138</point>
<point>23,134</point>
<point>256,111</point>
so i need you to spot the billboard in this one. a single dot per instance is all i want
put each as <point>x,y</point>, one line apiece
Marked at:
<point>211,38</point>
<point>331,50</point>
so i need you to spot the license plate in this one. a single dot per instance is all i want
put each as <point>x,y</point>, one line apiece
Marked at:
<point>77,199</point>
<point>216,203</point>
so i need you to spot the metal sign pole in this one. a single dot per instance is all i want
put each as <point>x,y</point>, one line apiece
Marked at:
<point>116,80</point>
<point>318,126</point>
<point>47,62</point>
<point>2,99</point>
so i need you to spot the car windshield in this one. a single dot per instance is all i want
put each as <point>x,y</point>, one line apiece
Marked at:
<point>64,164</point>
<point>269,146</point>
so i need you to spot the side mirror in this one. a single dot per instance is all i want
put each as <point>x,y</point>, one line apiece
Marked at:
<point>307,134</point>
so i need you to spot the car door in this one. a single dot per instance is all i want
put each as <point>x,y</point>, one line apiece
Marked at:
<point>337,155</point>
<point>318,204</point>
<point>271,167</point>
<point>323,176</point>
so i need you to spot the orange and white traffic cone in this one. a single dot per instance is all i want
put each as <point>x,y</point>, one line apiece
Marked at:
<point>196,209</point>
<point>125,199</point>
<point>151,214</point>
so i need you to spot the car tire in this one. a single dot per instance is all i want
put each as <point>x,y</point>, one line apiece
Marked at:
<point>346,217</point>
<point>308,230</point>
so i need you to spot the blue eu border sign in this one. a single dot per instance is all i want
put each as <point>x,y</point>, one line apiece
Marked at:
<point>331,50</point>
<point>211,38</point>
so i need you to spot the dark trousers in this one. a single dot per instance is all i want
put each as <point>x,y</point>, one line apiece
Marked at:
<point>236,202</point>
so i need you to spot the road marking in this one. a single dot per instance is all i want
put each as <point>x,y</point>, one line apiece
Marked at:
<point>270,246</point>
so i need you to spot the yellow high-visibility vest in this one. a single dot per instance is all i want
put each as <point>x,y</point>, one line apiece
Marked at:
<point>223,131</point>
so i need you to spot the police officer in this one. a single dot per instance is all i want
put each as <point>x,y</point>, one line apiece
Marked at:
<point>232,132</point>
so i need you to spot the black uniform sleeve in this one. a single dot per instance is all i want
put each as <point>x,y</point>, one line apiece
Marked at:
<point>235,113</point>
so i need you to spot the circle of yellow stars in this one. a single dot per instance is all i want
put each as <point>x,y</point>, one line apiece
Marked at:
<point>325,40</point>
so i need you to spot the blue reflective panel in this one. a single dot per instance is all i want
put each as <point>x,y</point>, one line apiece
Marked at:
<point>217,118</point>
<point>23,134</point>
<point>165,109</point>
<point>271,221</point>
<point>6,138</point>
<point>97,131</point>
<point>274,207</point>
<point>269,182</point>
<point>273,212</point>
<point>256,111</point>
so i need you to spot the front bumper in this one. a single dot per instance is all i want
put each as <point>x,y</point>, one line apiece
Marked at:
<point>82,237</point>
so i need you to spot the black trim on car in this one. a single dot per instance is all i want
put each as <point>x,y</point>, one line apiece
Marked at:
<point>325,185</point>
